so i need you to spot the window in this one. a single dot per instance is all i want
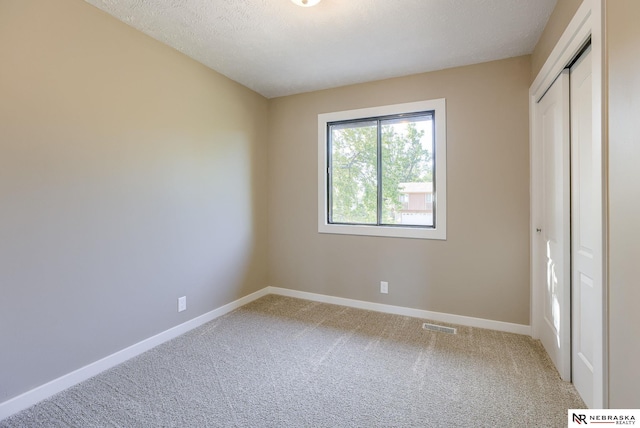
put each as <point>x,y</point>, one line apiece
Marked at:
<point>382,171</point>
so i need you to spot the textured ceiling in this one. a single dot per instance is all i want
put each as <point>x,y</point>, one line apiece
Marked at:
<point>277,48</point>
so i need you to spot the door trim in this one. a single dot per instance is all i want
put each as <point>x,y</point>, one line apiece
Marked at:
<point>587,23</point>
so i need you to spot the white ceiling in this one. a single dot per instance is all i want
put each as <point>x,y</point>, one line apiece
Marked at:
<point>277,48</point>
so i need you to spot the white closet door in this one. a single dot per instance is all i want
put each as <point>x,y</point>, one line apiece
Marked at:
<point>585,231</point>
<point>554,127</point>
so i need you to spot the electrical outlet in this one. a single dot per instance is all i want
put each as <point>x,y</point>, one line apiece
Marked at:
<point>182,303</point>
<point>384,287</point>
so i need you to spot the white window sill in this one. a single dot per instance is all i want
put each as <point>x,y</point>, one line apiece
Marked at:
<point>439,233</point>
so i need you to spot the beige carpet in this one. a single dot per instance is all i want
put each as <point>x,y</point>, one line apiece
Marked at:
<point>283,362</point>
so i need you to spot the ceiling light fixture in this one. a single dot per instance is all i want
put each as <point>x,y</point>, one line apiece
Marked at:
<point>306,3</point>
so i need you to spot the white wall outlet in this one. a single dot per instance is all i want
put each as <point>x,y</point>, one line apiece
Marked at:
<point>182,303</point>
<point>384,287</point>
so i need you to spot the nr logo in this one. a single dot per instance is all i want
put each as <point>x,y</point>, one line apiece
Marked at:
<point>580,419</point>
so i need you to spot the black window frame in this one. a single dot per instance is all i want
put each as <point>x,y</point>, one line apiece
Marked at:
<point>379,168</point>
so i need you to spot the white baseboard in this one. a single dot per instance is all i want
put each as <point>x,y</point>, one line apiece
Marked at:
<point>400,310</point>
<point>29,398</point>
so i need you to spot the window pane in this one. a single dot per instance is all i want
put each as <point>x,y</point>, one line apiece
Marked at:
<point>353,190</point>
<point>407,171</point>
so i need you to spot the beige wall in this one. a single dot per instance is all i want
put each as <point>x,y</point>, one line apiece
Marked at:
<point>623,43</point>
<point>558,21</point>
<point>130,175</point>
<point>482,269</point>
